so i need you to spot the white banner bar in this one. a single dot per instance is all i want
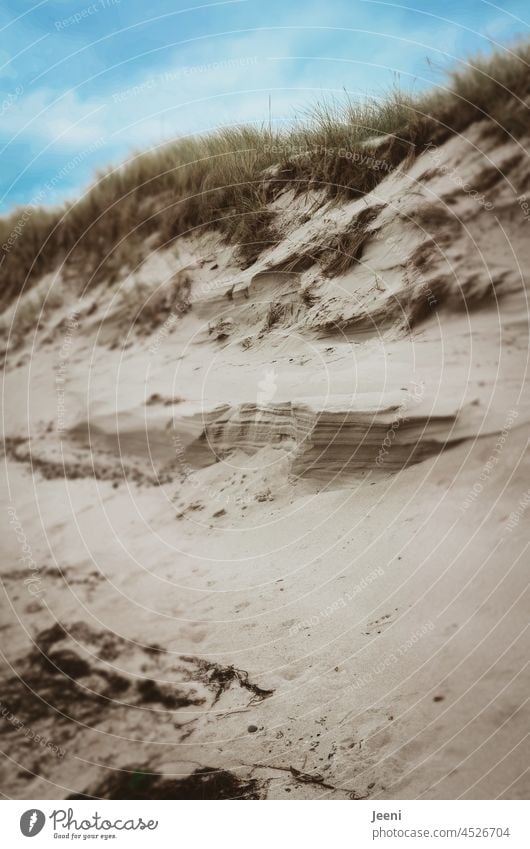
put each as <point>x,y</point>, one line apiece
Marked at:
<point>260,825</point>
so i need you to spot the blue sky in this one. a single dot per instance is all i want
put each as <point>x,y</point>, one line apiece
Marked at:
<point>83,84</point>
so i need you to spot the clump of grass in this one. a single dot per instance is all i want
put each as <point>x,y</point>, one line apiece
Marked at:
<point>220,181</point>
<point>252,229</point>
<point>496,87</point>
<point>274,314</point>
<point>28,314</point>
<point>309,297</point>
<point>144,307</point>
<point>348,247</point>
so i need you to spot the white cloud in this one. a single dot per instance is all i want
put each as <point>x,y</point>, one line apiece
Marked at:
<point>227,79</point>
<point>48,117</point>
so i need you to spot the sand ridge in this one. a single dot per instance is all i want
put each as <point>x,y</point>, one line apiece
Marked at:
<point>269,524</point>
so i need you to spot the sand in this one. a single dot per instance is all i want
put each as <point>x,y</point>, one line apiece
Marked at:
<point>272,544</point>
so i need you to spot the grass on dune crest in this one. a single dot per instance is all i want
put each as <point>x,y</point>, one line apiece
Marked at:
<point>225,180</point>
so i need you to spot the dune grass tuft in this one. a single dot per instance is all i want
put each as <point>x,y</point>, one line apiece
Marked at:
<point>226,180</point>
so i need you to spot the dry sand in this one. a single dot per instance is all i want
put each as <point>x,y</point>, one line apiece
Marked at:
<point>275,544</point>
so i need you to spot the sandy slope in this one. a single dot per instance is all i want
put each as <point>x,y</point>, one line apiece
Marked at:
<point>269,550</point>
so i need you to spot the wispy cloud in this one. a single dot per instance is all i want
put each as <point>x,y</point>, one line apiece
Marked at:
<point>135,83</point>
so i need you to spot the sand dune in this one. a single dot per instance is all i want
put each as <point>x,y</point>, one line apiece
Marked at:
<point>269,535</point>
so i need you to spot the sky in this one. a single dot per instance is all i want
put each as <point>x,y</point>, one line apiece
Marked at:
<point>85,84</point>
